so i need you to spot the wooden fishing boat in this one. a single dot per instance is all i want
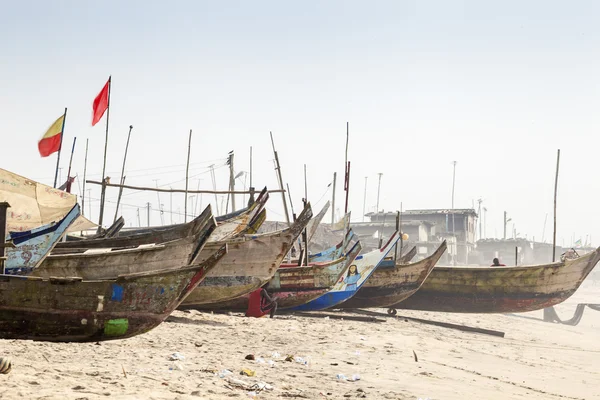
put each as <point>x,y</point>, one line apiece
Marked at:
<point>294,285</point>
<point>314,223</point>
<point>108,263</point>
<point>408,256</point>
<point>336,251</point>
<point>32,246</point>
<point>76,310</point>
<point>391,285</point>
<point>203,225</point>
<point>229,226</point>
<point>360,270</point>
<point>251,261</point>
<point>501,289</point>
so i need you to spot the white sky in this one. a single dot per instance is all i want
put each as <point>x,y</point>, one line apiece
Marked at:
<point>498,88</point>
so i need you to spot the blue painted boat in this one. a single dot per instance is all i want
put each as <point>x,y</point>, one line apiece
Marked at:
<point>334,252</point>
<point>32,247</point>
<point>364,266</point>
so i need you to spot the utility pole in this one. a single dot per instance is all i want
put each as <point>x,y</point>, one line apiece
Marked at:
<point>506,221</point>
<point>365,199</point>
<point>378,188</point>
<point>231,180</point>
<point>148,208</point>
<point>480,218</point>
<point>485,222</point>
<point>333,200</point>
<point>453,184</point>
<point>138,218</point>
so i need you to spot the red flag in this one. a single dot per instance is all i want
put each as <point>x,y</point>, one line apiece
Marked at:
<point>100,103</point>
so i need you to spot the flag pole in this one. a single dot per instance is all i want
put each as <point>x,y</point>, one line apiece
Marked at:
<point>70,163</point>
<point>62,134</point>
<point>103,193</point>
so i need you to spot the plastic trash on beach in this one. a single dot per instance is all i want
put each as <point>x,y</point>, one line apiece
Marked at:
<point>271,363</point>
<point>176,357</point>
<point>260,360</point>
<point>176,366</point>
<point>260,386</point>
<point>353,378</point>
<point>275,355</point>
<point>301,360</point>
<point>224,373</point>
<point>248,372</point>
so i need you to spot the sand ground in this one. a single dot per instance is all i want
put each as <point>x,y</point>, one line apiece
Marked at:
<point>535,360</point>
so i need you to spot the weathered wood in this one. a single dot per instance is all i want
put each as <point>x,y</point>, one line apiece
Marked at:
<point>359,272</point>
<point>107,263</point>
<point>296,285</point>
<point>449,325</point>
<point>30,248</point>
<point>151,189</point>
<point>501,289</point>
<point>251,262</point>
<point>74,310</point>
<point>338,317</point>
<point>203,224</point>
<point>388,286</point>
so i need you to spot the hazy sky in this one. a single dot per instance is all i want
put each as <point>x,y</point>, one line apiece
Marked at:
<point>498,87</point>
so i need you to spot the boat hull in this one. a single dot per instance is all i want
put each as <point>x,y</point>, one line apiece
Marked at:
<point>74,310</point>
<point>251,261</point>
<point>389,286</point>
<point>500,289</point>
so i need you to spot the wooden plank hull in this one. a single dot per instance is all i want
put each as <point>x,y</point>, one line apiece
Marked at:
<point>33,246</point>
<point>251,261</point>
<point>204,225</point>
<point>296,285</point>
<point>500,289</point>
<point>109,263</point>
<point>388,286</point>
<point>360,270</point>
<point>73,310</point>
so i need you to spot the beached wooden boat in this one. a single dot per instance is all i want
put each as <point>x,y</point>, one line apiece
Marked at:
<point>202,226</point>
<point>247,220</point>
<point>294,285</point>
<point>32,246</point>
<point>251,261</point>
<point>408,256</point>
<point>334,252</point>
<point>361,269</point>
<point>108,263</point>
<point>390,285</point>
<point>501,289</point>
<point>76,310</point>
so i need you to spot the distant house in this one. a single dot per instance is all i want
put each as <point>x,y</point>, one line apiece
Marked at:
<point>427,229</point>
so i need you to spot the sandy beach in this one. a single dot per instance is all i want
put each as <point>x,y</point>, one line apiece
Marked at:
<point>535,360</point>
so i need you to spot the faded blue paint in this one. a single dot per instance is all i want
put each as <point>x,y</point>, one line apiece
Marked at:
<point>334,252</point>
<point>117,292</point>
<point>34,245</point>
<point>342,292</point>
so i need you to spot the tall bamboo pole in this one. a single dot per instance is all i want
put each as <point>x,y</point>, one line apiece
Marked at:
<point>122,180</point>
<point>62,134</point>
<point>103,192</point>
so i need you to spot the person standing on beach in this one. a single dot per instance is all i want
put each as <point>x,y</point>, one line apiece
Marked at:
<point>261,304</point>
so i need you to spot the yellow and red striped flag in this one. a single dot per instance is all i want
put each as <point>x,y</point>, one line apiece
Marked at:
<point>50,142</point>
